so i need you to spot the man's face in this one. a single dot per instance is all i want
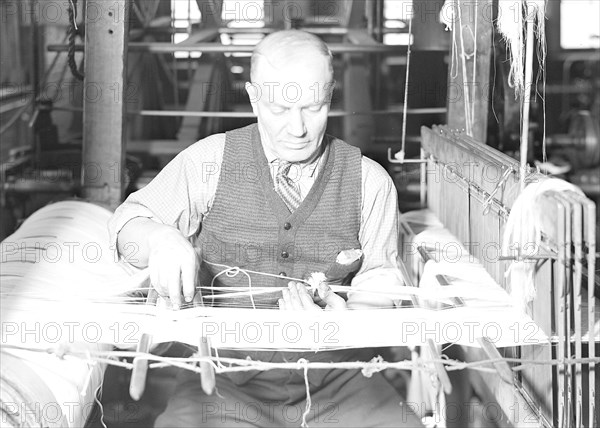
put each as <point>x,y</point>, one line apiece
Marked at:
<point>292,102</point>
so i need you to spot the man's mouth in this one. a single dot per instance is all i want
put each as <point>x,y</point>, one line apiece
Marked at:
<point>297,144</point>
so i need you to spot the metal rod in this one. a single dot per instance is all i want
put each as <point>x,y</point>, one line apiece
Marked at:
<point>479,194</point>
<point>249,114</point>
<point>315,30</point>
<point>164,47</point>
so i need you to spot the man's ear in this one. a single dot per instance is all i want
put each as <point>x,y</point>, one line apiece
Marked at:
<point>254,93</point>
<point>329,88</point>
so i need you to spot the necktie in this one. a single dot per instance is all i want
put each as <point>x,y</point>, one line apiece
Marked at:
<point>287,189</point>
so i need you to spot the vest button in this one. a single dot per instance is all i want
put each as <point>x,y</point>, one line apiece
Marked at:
<point>287,226</point>
<point>282,274</point>
<point>285,254</point>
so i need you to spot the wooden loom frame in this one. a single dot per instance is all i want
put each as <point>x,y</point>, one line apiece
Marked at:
<point>484,183</point>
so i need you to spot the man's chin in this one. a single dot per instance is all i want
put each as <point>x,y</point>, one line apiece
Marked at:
<point>297,155</point>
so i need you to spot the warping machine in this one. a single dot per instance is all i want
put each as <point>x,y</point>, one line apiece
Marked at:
<point>539,244</point>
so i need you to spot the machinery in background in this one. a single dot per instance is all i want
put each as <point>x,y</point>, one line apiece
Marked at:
<point>33,175</point>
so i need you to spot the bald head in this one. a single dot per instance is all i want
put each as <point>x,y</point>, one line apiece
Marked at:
<point>287,47</point>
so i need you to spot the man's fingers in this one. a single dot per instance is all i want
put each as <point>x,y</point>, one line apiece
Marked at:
<point>307,300</point>
<point>173,266</point>
<point>291,299</point>
<point>174,285</point>
<point>332,300</point>
<point>296,297</point>
<point>154,280</point>
<point>188,280</point>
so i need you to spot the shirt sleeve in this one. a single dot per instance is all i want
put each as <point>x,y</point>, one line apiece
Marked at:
<point>379,225</point>
<point>182,192</point>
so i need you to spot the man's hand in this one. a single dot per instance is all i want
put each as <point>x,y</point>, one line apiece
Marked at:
<point>172,262</point>
<point>296,297</point>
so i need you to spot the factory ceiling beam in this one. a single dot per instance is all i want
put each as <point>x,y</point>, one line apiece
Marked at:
<point>106,39</point>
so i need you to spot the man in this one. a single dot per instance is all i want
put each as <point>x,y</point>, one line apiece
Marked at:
<point>283,198</point>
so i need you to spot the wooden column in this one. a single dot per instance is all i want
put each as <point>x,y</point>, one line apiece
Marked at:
<point>105,85</point>
<point>358,130</point>
<point>468,94</point>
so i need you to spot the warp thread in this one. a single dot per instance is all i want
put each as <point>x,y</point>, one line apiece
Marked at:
<point>523,235</point>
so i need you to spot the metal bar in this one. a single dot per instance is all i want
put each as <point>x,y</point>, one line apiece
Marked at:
<point>577,274</point>
<point>339,31</point>
<point>560,326</point>
<point>249,114</point>
<point>568,268</point>
<point>423,184</point>
<point>480,195</point>
<point>589,224</point>
<point>165,47</point>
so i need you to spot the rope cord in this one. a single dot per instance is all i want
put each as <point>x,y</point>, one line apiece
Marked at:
<point>405,109</point>
<point>377,364</point>
<point>72,33</point>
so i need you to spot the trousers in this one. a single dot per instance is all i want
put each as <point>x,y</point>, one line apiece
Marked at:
<point>277,398</point>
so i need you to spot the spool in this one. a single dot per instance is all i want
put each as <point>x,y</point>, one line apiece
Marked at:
<point>41,388</point>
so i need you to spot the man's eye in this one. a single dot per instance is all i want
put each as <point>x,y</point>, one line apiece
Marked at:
<point>278,110</point>
<point>315,108</point>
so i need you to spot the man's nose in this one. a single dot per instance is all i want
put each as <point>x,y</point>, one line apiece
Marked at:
<point>296,125</point>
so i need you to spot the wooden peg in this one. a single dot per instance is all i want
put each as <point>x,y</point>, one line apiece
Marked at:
<point>137,385</point>
<point>440,370</point>
<point>207,371</point>
<point>502,367</point>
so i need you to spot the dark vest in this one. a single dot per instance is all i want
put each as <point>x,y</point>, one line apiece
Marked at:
<point>250,227</point>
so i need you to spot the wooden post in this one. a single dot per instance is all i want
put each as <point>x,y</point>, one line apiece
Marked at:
<point>468,93</point>
<point>358,130</point>
<point>104,138</point>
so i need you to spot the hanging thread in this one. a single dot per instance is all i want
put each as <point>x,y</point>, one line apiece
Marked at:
<point>304,363</point>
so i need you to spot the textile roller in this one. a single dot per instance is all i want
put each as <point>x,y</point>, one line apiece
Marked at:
<point>60,247</point>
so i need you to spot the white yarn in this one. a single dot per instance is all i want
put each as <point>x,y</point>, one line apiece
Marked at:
<point>510,24</point>
<point>523,235</point>
<point>448,14</point>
